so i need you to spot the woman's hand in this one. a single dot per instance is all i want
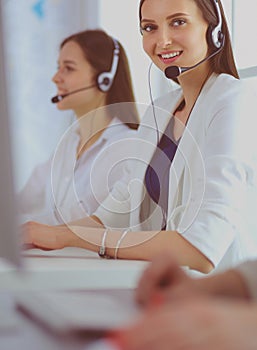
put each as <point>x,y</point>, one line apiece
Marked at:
<point>45,236</point>
<point>165,279</point>
<point>193,324</point>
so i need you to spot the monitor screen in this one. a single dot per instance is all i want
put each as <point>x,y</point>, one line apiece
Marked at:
<point>9,242</point>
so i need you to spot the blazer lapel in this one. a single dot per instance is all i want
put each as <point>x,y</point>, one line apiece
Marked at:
<point>157,117</point>
<point>188,154</point>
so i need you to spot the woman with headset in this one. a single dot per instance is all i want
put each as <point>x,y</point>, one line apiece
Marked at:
<point>192,156</point>
<point>84,166</point>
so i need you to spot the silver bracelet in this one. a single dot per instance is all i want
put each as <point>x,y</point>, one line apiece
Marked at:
<point>102,249</point>
<point>119,242</point>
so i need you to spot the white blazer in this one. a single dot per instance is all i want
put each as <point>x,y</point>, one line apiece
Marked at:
<point>209,176</point>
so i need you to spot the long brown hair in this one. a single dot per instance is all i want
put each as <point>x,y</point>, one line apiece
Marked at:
<point>98,48</point>
<point>224,61</point>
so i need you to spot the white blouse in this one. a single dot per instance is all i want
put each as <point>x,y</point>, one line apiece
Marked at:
<point>65,188</point>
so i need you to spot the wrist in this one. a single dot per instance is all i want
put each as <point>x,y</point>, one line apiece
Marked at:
<point>69,237</point>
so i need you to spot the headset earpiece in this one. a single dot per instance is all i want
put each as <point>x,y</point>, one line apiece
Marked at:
<point>215,36</point>
<point>105,79</point>
<point>103,82</point>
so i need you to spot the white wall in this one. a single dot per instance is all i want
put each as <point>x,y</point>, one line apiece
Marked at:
<point>33,32</point>
<point>120,19</point>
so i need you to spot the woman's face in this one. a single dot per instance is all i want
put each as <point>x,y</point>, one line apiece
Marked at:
<point>74,72</point>
<point>174,32</point>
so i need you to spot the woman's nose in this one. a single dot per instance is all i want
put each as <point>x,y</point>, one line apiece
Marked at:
<point>165,38</point>
<point>56,77</point>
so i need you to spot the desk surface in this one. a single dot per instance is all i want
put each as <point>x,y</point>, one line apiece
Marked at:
<point>69,268</point>
<point>24,333</point>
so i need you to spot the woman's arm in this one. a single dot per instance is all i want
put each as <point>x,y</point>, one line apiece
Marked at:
<point>142,245</point>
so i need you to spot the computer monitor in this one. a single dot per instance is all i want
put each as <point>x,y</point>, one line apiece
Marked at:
<point>9,242</point>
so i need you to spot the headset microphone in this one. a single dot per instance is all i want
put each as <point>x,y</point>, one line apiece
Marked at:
<point>172,72</point>
<point>59,98</point>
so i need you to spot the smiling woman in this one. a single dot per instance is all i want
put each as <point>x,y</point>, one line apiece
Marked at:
<point>128,33</point>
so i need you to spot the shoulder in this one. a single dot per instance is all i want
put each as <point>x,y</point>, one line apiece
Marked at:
<point>227,95</point>
<point>118,130</point>
<point>223,87</point>
<point>228,105</point>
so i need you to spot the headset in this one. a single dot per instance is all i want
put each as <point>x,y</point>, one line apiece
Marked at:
<point>105,79</point>
<point>215,36</point>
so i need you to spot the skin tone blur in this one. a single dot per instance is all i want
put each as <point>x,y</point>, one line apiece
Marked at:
<point>190,313</point>
<point>193,324</point>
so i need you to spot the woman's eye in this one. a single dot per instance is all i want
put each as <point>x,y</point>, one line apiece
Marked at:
<point>68,69</point>
<point>64,69</point>
<point>147,28</point>
<point>178,22</point>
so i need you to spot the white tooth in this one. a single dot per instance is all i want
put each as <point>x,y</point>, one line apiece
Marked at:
<point>171,55</point>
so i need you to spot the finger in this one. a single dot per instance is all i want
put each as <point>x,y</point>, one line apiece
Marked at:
<point>154,278</point>
<point>162,273</point>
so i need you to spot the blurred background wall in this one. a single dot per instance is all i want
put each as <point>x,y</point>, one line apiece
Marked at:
<point>33,32</point>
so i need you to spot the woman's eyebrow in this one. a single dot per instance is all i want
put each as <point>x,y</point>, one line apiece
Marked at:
<point>178,14</point>
<point>69,61</point>
<point>174,15</point>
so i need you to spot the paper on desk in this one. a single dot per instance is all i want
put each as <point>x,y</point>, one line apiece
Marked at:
<point>76,312</point>
<point>67,252</point>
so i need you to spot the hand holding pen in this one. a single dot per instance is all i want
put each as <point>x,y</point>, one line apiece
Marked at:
<point>181,312</point>
<point>165,280</point>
